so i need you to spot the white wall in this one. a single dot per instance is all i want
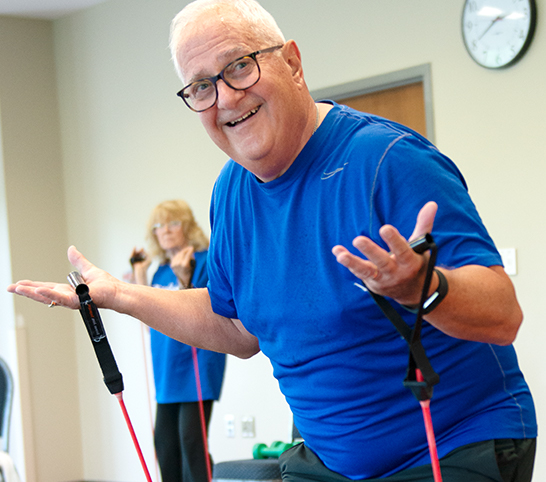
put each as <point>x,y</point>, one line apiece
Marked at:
<point>127,143</point>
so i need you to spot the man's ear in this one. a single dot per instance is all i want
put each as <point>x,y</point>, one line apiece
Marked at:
<point>292,56</point>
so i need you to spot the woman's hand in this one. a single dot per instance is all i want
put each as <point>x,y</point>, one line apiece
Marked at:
<point>181,264</point>
<point>140,263</point>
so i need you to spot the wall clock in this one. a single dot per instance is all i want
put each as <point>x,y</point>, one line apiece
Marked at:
<point>497,33</point>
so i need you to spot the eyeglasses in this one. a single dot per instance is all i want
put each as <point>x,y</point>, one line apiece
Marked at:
<point>241,74</point>
<point>171,225</point>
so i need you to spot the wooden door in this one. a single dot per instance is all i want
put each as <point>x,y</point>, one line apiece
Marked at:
<point>404,104</point>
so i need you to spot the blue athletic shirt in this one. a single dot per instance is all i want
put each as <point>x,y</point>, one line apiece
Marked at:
<point>339,362</point>
<point>172,361</point>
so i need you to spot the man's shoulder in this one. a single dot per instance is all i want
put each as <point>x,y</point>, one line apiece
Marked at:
<point>366,127</point>
<point>230,173</point>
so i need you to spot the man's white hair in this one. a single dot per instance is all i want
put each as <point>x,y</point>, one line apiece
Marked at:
<point>260,23</point>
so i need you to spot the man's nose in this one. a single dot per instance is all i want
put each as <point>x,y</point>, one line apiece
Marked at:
<point>227,96</point>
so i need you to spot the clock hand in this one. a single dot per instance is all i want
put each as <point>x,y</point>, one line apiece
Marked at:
<point>500,17</point>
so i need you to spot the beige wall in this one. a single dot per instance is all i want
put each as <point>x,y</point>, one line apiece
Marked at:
<point>48,378</point>
<point>127,143</point>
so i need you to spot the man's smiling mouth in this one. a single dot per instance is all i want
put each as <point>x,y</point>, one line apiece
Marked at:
<point>243,118</point>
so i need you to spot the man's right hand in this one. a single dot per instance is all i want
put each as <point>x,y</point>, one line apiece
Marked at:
<point>102,286</point>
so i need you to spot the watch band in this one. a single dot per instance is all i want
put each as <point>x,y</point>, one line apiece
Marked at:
<point>435,298</point>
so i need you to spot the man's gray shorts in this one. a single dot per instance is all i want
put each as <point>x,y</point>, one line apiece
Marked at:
<point>503,460</point>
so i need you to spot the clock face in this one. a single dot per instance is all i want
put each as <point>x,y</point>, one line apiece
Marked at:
<point>497,33</point>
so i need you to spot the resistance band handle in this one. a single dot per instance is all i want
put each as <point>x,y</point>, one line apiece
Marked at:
<point>420,376</point>
<point>92,320</point>
<point>422,244</point>
<point>423,388</point>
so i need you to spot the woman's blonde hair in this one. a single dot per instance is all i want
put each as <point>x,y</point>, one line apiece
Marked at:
<point>175,210</point>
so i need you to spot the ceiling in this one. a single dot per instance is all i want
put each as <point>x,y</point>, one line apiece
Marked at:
<point>44,9</point>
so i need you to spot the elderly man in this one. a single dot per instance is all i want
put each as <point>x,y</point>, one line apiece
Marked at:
<point>306,180</point>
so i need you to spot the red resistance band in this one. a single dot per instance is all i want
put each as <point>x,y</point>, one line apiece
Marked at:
<point>199,392</point>
<point>201,412</point>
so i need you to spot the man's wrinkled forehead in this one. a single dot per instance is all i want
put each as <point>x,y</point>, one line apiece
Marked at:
<point>217,63</point>
<point>207,49</point>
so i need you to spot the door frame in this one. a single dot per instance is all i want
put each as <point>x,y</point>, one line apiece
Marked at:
<point>420,73</point>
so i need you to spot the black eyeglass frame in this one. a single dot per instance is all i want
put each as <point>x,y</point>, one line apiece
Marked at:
<point>215,79</point>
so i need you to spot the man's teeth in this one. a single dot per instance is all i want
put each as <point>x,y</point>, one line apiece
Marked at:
<point>246,116</point>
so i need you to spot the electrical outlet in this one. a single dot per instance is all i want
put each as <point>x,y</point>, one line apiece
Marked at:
<point>248,428</point>
<point>229,425</point>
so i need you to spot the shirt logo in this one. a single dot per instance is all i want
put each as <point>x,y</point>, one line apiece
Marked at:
<point>328,175</point>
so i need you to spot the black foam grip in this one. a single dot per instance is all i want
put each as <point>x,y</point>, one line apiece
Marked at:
<point>111,375</point>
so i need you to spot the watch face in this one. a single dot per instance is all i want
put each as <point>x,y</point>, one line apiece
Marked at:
<point>497,33</point>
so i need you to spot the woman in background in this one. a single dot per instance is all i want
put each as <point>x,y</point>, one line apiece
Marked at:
<point>180,246</point>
